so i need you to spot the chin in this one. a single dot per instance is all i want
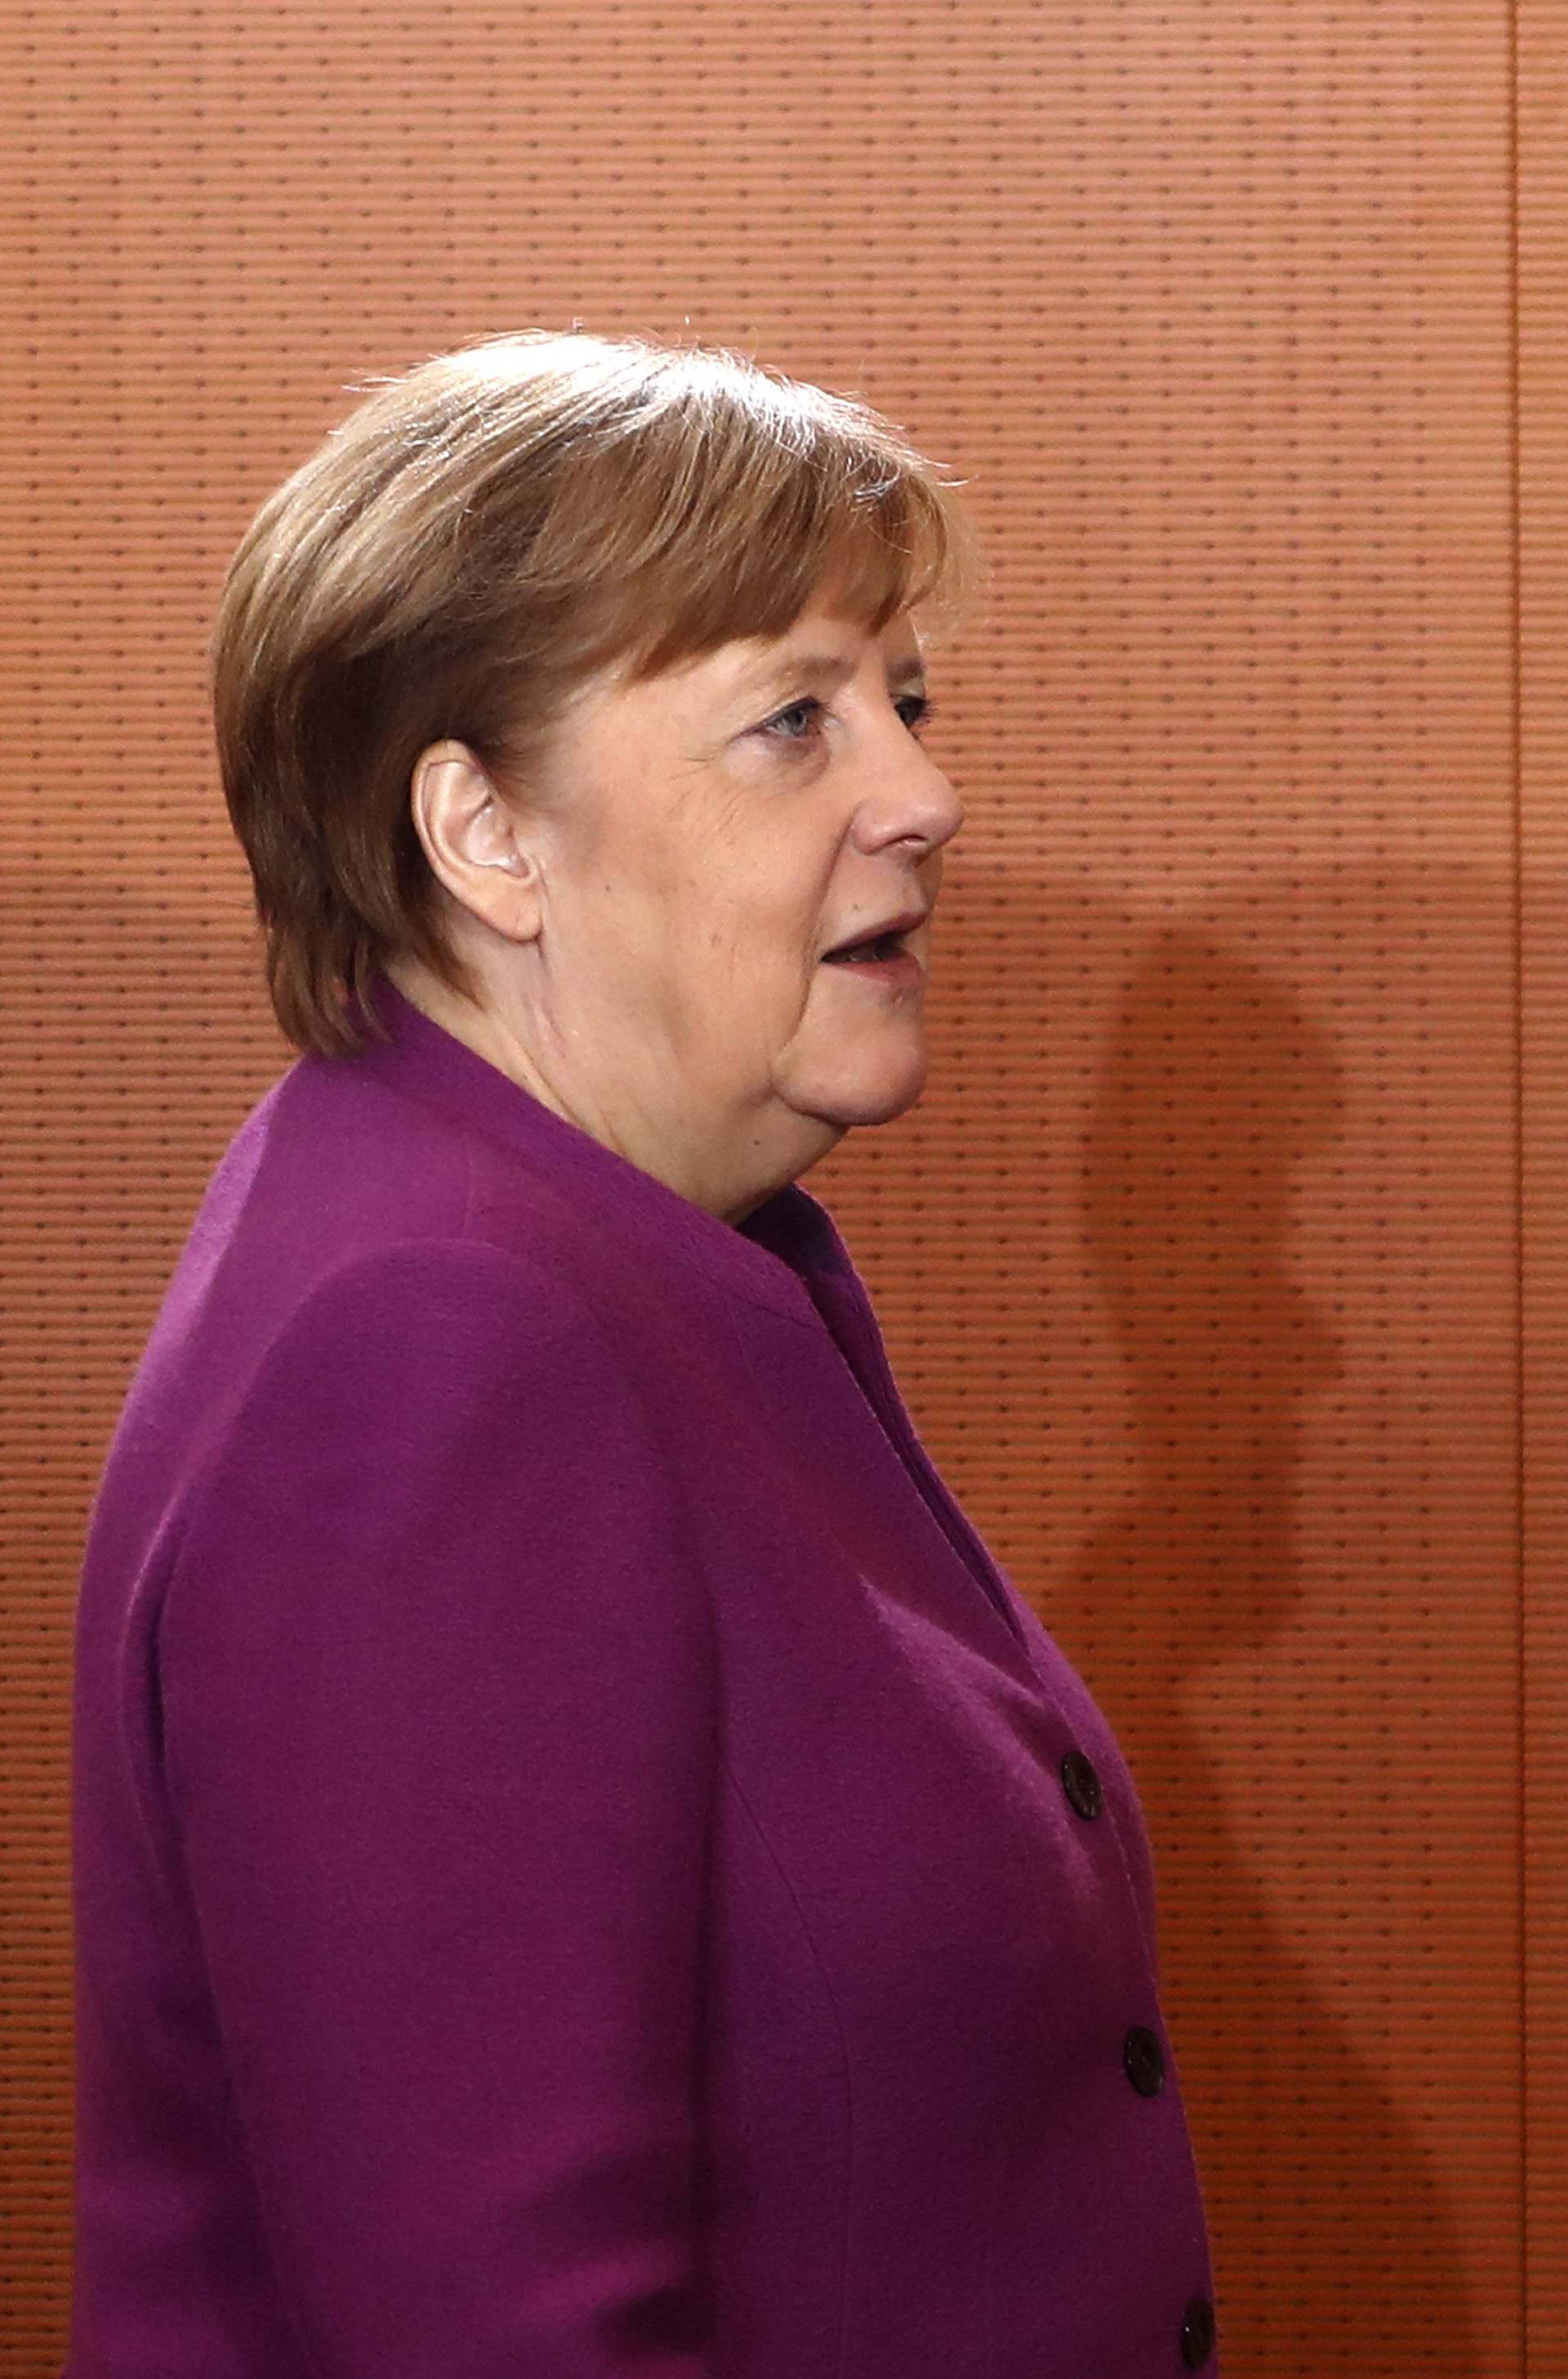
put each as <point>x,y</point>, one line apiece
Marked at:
<point>850,1078</point>
<point>873,1099</point>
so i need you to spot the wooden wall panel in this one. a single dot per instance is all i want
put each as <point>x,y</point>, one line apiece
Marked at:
<point>1543,744</point>
<point>1201,1259</point>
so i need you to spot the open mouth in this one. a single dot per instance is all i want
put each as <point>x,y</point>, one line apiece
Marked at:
<point>880,946</point>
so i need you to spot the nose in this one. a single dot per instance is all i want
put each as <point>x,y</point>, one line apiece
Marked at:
<point>915,802</point>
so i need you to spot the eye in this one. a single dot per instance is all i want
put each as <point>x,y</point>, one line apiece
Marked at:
<point>777,726</point>
<point>913,708</point>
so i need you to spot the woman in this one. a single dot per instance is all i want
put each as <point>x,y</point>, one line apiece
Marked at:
<point>585,1863</point>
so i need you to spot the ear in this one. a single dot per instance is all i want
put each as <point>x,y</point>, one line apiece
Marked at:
<point>472,840</point>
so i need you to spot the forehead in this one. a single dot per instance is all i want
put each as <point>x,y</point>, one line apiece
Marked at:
<point>822,648</point>
<point>819,652</point>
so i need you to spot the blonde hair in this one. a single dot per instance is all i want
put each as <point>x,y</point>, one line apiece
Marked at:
<point>480,537</point>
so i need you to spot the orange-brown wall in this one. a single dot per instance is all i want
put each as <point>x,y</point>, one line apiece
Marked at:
<point>1231,1229</point>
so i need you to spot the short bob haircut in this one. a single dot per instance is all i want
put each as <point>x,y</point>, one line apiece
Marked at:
<point>481,537</point>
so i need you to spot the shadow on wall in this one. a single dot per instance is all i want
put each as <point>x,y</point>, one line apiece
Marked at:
<point>1333,2244</point>
<point>1231,1342</point>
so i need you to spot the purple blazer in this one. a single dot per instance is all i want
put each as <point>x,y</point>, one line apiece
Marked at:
<point>583,1863</point>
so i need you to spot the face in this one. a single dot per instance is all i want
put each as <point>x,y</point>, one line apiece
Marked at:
<point>705,839</point>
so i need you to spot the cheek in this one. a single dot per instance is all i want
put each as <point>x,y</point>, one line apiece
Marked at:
<point>756,922</point>
<point>768,932</point>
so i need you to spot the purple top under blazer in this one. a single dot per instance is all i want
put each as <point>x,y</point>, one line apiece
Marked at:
<point>583,1863</point>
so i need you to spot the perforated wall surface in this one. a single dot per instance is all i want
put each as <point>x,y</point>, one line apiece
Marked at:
<point>1211,1256</point>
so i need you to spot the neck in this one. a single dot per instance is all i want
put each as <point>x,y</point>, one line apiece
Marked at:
<point>728,1191</point>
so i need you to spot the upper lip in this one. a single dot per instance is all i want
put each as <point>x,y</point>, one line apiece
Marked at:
<point>903,922</point>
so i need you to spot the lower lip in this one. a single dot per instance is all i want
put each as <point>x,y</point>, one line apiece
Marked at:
<point>904,972</point>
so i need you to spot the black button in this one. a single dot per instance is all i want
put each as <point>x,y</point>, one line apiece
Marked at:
<point>1198,2333</point>
<point>1144,2060</point>
<point>1081,1786</point>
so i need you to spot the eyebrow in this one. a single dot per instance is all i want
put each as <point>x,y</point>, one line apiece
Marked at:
<point>832,668</point>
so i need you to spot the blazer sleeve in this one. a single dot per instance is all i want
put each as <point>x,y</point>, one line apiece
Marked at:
<point>438,1685</point>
